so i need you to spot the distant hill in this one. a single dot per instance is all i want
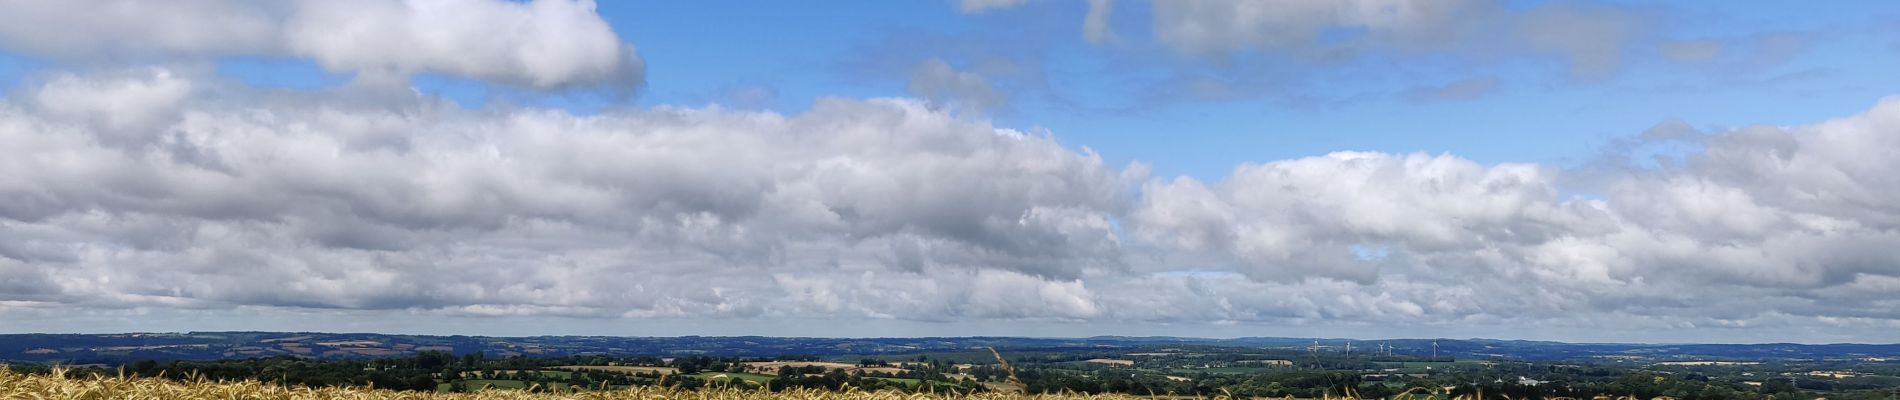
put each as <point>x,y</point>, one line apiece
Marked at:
<point>114,349</point>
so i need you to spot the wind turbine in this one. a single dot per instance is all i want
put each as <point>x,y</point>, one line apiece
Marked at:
<point>1315,351</point>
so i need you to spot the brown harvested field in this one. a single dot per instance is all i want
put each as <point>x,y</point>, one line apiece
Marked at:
<point>376,352</point>
<point>286,339</point>
<point>620,368</point>
<point>16,385</point>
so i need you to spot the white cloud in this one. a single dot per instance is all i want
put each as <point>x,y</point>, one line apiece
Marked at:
<point>888,209</point>
<point>539,44</point>
<point>1754,227</point>
<point>314,203</point>
<point>136,99</point>
<point>163,188</point>
<point>1303,219</point>
<point>542,44</point>
<point>105,29</point>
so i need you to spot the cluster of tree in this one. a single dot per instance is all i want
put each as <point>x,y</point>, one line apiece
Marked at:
<point>696,364</point>
<point>423,372</point>
<point>398,374</point>
<point>1322,376</point>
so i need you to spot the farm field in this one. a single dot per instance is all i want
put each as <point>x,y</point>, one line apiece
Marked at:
<point>618,368</point>
<point>24,386</point>
<point>748,377</point>
<point>1252,370</point>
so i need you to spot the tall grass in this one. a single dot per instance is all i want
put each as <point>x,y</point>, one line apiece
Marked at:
<point>58,385</point>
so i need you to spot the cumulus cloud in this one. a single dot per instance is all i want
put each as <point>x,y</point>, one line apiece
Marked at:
<point>168,188</point>
<point>539,44</point>
<point>118,104</point>
<point>1302,219</point>
<point>1754,227</point>
<point>307,202</point>
<point>104,29</point>
<point>153,187</point>
<point>542,44</point>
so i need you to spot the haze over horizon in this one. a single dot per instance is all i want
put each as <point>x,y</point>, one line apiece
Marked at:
<point>1582,171</point>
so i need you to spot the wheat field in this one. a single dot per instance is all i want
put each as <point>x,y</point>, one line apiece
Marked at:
<point>16,386</point>
<point>59,385</point>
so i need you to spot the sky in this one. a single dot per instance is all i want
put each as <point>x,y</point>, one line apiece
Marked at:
<point>1594,171</point>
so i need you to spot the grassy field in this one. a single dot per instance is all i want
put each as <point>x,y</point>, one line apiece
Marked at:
<point>748,377</point>
<point>21,386</point>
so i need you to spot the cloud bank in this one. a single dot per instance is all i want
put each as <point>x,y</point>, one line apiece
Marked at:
<point>165,187</point>
<point>541,44</point>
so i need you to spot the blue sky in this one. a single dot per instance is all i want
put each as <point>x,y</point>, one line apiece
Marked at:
<point>704,51</point>
<point>1679,171</point>
<point>782,56</point>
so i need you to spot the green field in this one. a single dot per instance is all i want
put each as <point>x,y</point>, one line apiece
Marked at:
<point>905,381</point>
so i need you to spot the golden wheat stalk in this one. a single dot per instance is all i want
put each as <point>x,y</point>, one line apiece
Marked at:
<point>58,385</point>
